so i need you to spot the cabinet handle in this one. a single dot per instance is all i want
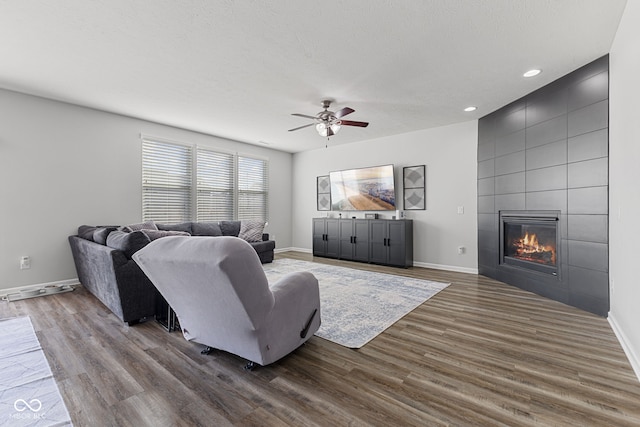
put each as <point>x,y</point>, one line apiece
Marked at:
<point>350,239</point>
<point>354,240</point>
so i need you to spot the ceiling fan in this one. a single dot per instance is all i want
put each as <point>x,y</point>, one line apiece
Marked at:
<point>327,122</point>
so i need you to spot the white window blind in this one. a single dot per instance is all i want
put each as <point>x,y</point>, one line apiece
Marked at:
<point>252,188</point>
<point>227,186</point>
<point>166,182</point>
<point>215,192</point>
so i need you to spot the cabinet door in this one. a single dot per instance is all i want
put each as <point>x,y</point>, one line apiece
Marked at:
<point>346,239</point>
<point>396,243</point>
<point>360,243</point>
<point>377,241</point>
<point>333,238</point>
<point>319,243</point>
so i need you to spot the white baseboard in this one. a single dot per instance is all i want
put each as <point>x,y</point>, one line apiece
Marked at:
<point>415,264</point>
<point>634,360</point>
<point>306,251</point>
<point>446,267</point>
<point>68,282</point>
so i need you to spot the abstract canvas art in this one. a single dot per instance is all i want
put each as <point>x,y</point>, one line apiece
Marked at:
<point>323,189</point>
<point>414,181</point>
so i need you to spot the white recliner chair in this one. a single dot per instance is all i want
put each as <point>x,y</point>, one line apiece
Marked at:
<point>221,296</point>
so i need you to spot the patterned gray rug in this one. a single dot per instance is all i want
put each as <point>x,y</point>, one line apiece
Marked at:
<point>29,395</point>
<point>358,305</point>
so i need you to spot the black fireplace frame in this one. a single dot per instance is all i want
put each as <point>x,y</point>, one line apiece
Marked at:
<point>524,217</point>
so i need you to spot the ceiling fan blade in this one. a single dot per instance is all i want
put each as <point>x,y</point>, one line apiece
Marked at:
<point>352,123</point>
<point>304,115</point>
<point>344,112</point>
<point>301,127</point>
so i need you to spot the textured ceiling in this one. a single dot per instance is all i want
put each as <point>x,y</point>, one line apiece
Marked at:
<point>238,69</point>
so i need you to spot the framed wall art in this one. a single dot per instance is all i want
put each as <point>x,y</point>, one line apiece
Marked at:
<point>323,190</point>
<point>414,180</point>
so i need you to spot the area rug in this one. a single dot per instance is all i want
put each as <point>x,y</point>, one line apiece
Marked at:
<point>29,395</point>
<point>357,305</point>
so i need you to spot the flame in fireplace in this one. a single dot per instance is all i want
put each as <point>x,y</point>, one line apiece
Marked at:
<point>529,249</point>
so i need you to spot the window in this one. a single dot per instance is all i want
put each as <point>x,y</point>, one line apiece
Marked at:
<point>227,186</point>
<point>252,188</point>
<point>166,182</point>
<point>215,186</point>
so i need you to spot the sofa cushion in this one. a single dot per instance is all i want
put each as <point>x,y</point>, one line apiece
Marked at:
<point>183,226</point>
<point>230,228</point>
<point>100,234</point>
<point>156,234</point>
<point>86,232</point>
<point>251,230</point>
<point>205,229</point>
<point>147,225</point>
<point>128,243</point>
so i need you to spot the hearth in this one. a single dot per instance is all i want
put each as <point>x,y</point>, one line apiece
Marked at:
<point>529,240</point>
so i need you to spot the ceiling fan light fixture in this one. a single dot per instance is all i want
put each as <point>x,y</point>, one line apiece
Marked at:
<point>323,129</point>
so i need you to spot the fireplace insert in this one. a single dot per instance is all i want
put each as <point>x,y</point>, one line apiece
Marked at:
<point>530,240</point>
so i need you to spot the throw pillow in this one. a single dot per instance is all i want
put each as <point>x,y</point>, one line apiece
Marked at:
<point>86,232</point>
<point>230,228</point>
<point>147,225</point>
<point>129,243</point>
<point>101,233</point>
<point>206,229</point>
<point>251,230</point>
<point>156,234</point>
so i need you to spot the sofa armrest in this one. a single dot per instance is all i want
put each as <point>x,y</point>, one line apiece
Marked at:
<point>114,279</point>
<point>265,237</point>
<point>96,270</point>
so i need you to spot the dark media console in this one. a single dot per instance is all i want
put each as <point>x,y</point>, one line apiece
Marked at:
<point>377,241</point>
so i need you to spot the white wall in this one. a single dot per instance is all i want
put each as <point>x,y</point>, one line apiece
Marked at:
<point>624,176</point>
<point>449,154</point>
<point>62,166</point>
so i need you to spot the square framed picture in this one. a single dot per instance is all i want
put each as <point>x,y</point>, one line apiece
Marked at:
<point>414,194</point>
<point>323,191</point>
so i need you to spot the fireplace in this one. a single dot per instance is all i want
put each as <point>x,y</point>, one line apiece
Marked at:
<point>529,240</point>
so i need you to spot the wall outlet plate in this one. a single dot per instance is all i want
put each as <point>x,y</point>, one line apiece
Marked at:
<point>25,263</point>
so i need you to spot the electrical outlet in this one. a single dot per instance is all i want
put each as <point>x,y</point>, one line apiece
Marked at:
<point>461,250</point>
<point>25,263</point>
<point>460,210</point>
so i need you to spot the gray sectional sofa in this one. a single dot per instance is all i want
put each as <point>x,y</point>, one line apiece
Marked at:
<point>102,256</point>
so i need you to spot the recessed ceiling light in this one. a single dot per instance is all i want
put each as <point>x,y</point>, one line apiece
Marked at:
<point>532,73</point>
<point>468,109</point>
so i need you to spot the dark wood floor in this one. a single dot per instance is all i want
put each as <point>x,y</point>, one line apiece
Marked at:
<point>478,353</point>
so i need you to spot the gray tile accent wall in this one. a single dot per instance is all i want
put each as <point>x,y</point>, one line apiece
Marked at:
<point>592,145</point>
<point>549,151</point>
<point>547,155</point>
<point>546,132</point>
<point>511,183</point>
<point>589,228</point>
<point>588,119</point>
